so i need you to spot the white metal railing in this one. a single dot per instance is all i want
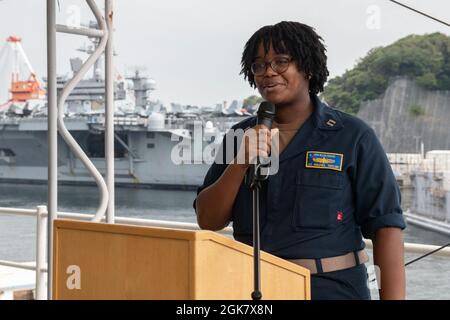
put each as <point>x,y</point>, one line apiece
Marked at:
<point>102,34</point>
<point>55,117</point>
<point>436,161</point>
<point>41,242</point>
<point>40,213</point>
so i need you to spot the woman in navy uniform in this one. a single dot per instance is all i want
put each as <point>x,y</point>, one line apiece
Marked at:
<point>334,183</point>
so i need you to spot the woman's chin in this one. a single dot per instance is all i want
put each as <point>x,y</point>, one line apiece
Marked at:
<point>274,99</point>
<point>271,97</point>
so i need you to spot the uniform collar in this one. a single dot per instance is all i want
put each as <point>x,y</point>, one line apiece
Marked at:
<point>324,117</point>
<point>324,122</point>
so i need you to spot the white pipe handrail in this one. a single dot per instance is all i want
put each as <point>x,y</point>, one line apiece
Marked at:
<point>109,112</point>
<point>41,228</point>
<point>52,128</point>
<point>41,214</point>
<point>70,85</point>
<point>18,212</point>
<point>21,265</point>
<point>80,31</point>
<point>409,247</point>
<point>56,117</point>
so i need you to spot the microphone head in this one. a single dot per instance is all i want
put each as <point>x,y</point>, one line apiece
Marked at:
<point>265,114</point>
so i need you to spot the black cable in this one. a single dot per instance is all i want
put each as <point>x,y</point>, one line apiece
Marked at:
<point>421,257</point>
<point>420,12</point>
<point>427,254</point>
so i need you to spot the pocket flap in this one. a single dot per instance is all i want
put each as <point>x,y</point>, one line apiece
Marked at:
<point>320,178</point>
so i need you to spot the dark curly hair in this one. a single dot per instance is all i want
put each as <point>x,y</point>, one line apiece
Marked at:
<point>298,40</point>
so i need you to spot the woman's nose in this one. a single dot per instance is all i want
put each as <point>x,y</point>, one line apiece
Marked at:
<point>269,71</point>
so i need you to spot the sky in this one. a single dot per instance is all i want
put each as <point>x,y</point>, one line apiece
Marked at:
<point>192,49</point>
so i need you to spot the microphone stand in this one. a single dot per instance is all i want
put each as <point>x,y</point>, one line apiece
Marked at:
<point>254,180</point>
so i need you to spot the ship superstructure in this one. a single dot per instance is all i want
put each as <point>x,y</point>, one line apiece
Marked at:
<point>150,137</point>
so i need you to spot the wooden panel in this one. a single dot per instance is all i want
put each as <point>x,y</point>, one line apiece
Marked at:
<point>121,266</point>
<point>224,273</point>
<point>132,230</point>
<point>131,262</point>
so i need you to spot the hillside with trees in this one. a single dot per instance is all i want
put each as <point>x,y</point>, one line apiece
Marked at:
<point>422,58</point>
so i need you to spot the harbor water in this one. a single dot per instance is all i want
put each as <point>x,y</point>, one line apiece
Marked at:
<point>428,278</point>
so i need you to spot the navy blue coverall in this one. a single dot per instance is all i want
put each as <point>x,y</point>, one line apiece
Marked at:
<point>333,187</point>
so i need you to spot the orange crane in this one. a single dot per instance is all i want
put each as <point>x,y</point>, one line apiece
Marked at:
<point>24,85</point>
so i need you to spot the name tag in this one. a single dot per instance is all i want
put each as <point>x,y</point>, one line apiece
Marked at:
<point>324,160</point>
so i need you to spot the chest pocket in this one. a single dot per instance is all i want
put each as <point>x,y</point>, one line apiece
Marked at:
<point>318,199</point>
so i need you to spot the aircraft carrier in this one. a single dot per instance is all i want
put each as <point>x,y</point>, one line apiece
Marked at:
<point>156,145</point>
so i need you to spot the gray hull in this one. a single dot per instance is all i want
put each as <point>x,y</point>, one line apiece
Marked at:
<point>144,161</point>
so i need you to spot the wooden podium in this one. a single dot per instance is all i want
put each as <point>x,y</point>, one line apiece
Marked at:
<point>112,261</point>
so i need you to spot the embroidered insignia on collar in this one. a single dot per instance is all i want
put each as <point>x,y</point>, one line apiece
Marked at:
<point>331,123</point>
<point>324,160</point>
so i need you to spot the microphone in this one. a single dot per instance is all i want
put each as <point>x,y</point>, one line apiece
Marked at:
<point>265,116</point>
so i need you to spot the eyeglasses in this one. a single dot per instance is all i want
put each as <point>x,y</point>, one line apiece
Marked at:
<point>279,65</point>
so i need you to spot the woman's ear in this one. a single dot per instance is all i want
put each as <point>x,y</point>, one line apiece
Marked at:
<point>307,76</point>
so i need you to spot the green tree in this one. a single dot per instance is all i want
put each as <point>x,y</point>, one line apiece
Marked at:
<point>416,110</point>
<point>252,100</point>
<point>423,58</point>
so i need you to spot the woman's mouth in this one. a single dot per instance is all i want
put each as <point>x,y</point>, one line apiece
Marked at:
<point>272,87</point>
